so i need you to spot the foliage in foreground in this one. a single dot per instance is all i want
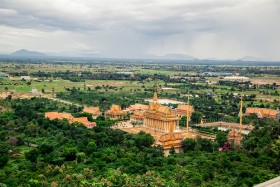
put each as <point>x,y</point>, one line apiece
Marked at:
<point>38,152</point>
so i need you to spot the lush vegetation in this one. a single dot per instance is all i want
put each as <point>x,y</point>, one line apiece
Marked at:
<point>38,152</point>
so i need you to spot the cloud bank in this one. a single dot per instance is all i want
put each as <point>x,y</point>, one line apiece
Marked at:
<point>135,28</point>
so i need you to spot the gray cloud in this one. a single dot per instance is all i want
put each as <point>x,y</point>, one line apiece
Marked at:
<point>132,28</point>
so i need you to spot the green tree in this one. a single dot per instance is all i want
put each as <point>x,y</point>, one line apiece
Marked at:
<point>32,155</point>
<point>172,150</point>
<point>70,153</point>
<point>4,157</point>
<point>91,147</point>
<point>80,156</point>
<point>188,144</point>
<point>221,138</point>
<point>196,116</point>
<point>45,148</point>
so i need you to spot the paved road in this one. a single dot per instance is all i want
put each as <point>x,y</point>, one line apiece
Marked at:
<point>63,101</point>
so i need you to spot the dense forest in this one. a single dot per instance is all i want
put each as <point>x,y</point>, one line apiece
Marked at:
<point>35,151</point>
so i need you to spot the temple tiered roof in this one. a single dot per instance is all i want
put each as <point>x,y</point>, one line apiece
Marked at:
<point>157,111</point>
<point>171,139</point>
<point>115,110</point>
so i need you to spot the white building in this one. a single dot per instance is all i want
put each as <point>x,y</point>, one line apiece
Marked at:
<point>27,78</point>
<point>236,78</point>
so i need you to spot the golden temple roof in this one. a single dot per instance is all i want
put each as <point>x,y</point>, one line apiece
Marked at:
<point>115,110</point>
<point>155,98</point>
<point>158,111</point>
<point>171,139</point>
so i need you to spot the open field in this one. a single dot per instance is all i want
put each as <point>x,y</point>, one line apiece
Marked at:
<point>196,85</point>
<point>265,81</point>
<point>59,85</point>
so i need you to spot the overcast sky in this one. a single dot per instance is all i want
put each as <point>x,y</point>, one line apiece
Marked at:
<point>224,29</point>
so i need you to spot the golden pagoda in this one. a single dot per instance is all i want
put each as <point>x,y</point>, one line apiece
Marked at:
<point>187,117</point>
<point>234,136</point>
<point>160,117</point>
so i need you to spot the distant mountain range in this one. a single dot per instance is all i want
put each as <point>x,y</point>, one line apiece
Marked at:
<point>171,56</point>
<point>251,58</point>
<point>26,53</point>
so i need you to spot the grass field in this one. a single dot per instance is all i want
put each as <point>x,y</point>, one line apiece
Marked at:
<point>114,86</point>
<point>59,85</point>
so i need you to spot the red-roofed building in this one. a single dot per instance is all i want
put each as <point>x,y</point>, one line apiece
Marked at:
<point>94,111</point>
<point>70,118</point>
<point>264,113</point>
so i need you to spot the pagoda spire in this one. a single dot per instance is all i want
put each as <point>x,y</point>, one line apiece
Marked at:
<point>187,117</point>
<point>240,115</point>
<point>155,98</point>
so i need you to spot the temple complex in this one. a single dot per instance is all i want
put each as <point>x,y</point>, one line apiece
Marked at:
<point>160,117</point>
<point>115,112</point>
<point>162,123</point>
<point>94,111</point>
<point>70,118</point>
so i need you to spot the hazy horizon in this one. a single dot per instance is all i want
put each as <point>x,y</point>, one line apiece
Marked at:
<point>139,29</point>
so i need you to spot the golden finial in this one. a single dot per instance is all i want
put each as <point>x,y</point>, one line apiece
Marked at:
<point>187,118</point>
<point>240,115</point>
